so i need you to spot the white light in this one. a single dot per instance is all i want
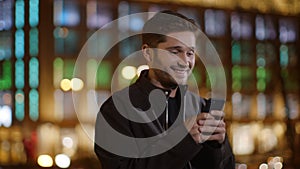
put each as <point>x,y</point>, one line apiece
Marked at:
<point>76,84</point>
<point>263,166</point>
<point>5,116</point>
<point>65,84</point>
<point>129,72</point>
<point>62,161</point>
<point>278,165</point>
<point>242,166</point>
<point>141,68</point>
<point>45,161</point>
<point>67,142</point>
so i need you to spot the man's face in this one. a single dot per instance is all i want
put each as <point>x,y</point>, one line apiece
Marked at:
<point>174,59</point>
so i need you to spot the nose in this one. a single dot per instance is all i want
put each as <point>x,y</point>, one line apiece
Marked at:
<point>184,60</point>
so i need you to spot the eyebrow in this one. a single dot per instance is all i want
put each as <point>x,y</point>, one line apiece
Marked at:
<point>179,47</point>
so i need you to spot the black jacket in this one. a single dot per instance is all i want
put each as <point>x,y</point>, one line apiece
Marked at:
<point>179,151</point>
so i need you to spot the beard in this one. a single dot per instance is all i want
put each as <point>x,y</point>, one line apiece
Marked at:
<point>165,79</point>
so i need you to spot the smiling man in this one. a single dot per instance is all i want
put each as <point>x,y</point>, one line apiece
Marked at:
<point>178,134</point>
<point>172,60</point>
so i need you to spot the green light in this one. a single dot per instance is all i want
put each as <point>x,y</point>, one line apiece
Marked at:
<point>19,44</point>
<point>236,85</point>
<point>236,72</point>
<point>261,73</point>
<point>68,69</point>
<point>19,105</point>
<point>261,85</point>
<point>19,74</point>
<point>236,53</point>
<point>6,79</point>
<point>33,13</point>
<point>104,74</point>
<point>33,42</point>
<point>58,69</point>
<point>19,14</point>
<point>207,82</point>
<point>33,104</point>
<point>33,73</point>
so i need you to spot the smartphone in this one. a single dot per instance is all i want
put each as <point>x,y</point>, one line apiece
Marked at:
<point>213,104</point>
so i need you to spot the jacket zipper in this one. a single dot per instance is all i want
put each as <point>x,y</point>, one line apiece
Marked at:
<point>167,112</point>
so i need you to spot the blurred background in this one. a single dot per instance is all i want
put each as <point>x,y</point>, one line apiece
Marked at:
<point>257,41</point>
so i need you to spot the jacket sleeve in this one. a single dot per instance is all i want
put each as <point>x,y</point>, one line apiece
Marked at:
<point>175,158</point>
<point>214,156</point>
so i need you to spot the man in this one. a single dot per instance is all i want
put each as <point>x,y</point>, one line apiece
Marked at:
<point>170,130</point>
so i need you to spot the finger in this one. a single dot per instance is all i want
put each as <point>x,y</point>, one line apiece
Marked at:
<point>204,116</point>
<point>194,131</point>
<point>217,114</point>
<point>209,122</point>
<point>208,130</point>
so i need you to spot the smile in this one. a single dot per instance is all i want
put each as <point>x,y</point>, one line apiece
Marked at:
<point>179,71</point>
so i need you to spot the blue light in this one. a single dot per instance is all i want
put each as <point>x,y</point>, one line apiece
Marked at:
<point>33,73</point>
<point>66,13</point>
<point>19,105</point>
<point>19,44</point>
<point>136,23</point>
<point>33,13</point>
<point>19,14</point>
<point>19,74</point>
<point>34,104</point>
<point>34,42</point>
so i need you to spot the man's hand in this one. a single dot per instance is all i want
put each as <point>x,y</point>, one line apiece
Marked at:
<point>207,126</point>
<point>212,125</point>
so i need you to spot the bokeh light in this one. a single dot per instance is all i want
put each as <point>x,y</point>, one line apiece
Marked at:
<point>129,72</point>
<point>45,161</point>
<point>76,84</point>
<point>65,84</point>
<point>62,161</point>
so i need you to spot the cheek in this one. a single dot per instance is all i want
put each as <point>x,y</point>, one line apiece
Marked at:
<point>192,62</point>
<point>164,60</point>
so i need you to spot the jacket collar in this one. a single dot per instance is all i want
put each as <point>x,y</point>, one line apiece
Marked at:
<point>144,81</point>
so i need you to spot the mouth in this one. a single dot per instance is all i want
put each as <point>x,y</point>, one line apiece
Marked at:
<point>180,71</point>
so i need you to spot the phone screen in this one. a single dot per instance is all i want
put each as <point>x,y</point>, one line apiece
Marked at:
<point>213,104</point>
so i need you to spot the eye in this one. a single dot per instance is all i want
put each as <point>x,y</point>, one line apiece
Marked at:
<point>191,53</point>
<point>174,51</point>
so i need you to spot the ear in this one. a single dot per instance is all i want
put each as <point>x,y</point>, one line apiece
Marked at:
<point>147,52</point>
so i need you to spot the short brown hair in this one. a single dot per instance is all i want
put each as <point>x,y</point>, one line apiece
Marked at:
<point>165,22</point>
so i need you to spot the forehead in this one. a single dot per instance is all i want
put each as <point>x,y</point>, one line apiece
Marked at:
<point>185,38</point>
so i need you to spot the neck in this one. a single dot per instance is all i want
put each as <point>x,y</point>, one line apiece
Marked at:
<point>156,83</point>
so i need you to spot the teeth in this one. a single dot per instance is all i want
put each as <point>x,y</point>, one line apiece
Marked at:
<point>180,71</point>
